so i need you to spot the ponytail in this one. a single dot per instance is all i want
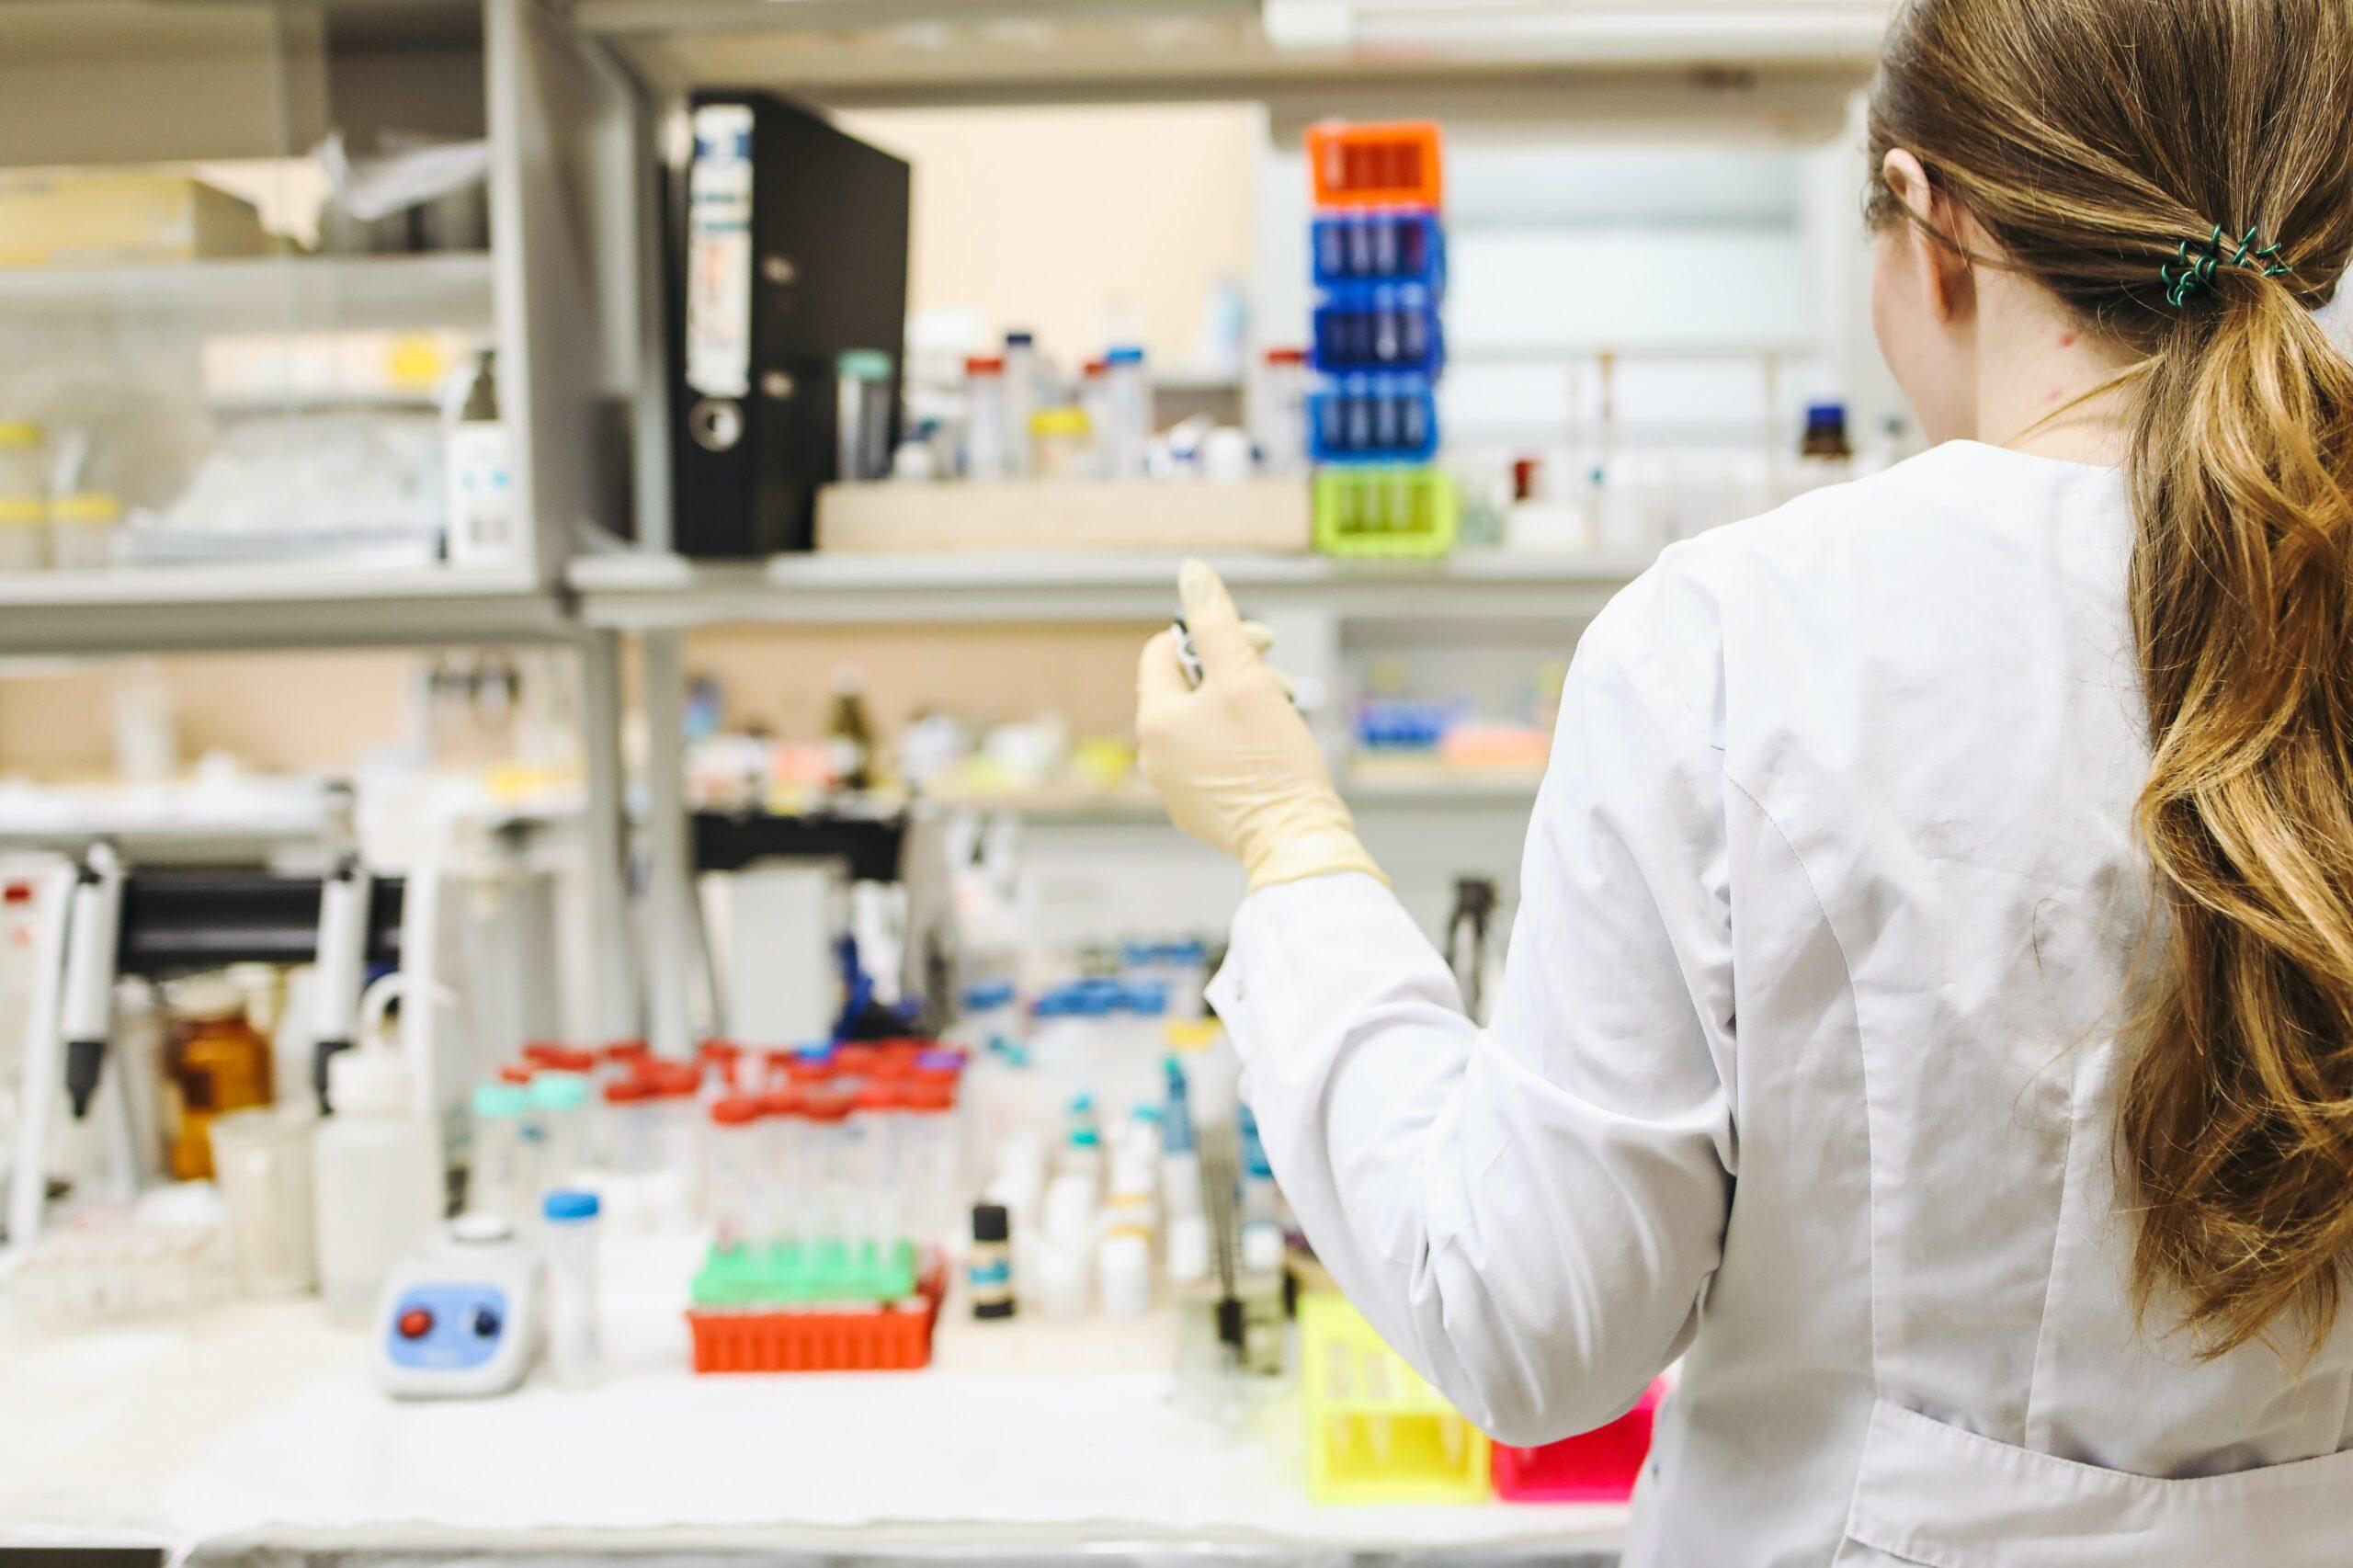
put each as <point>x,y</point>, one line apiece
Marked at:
<point>2237,1107</point>
<point>2114,152</point>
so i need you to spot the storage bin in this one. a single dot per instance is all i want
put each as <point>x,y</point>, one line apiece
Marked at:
<point>1599,1466</point>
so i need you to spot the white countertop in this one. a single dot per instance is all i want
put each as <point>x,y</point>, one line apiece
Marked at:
<point>254,1422</point>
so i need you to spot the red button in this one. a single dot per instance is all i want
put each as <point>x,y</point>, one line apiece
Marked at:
<point>416,1324</point>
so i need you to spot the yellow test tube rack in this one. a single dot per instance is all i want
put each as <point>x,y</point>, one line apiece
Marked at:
<point>1377,1431</point>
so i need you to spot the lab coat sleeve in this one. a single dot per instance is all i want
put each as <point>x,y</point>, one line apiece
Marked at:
<point>1528,1213</point>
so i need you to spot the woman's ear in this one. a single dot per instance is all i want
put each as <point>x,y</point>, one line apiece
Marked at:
<point>1947,278</point>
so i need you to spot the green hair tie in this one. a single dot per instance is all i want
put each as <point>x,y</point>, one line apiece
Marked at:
<point>2187,275</point>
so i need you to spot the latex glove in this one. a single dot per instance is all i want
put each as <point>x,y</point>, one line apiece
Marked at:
<point>1233,759</point>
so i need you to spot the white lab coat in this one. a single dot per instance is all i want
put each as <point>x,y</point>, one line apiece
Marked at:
<point>1803,1066</point>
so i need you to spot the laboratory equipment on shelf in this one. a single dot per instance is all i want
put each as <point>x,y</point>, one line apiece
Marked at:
<point>459,1314</point>
<point>1127,401</point>
<point>576,1340</point>
<point>866,415</point>
<point>1278,411</point>
<point>482,529</point>
<point>988,419</point>
<point>380,1179</point>
<point>1373,428</point>
<point>1024,395</point>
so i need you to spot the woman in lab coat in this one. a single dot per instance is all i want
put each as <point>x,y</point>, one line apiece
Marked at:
<point>1930,1009</point>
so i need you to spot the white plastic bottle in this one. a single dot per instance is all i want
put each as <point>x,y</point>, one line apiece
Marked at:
<point>378,1186</point>
<point>1023,398</point>
<point>480,528</point>
<point>1128,420</point>
<point>988,430</point>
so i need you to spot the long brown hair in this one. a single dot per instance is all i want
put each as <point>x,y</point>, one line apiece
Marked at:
<point>2097,142</point>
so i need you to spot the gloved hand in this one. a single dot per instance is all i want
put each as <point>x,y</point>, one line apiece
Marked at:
<point>1233,759</point>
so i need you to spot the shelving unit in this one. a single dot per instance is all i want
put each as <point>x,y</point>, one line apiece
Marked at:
<point>316,294</point>
<point>150,610</point>
<point>644,593</point>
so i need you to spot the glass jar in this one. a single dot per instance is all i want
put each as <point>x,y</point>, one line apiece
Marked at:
<point>216,1062</point>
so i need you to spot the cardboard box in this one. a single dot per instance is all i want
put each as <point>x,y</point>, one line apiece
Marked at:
<point>113,218</point>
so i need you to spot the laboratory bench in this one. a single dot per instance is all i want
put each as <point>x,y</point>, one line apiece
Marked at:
<point>249,1433</point>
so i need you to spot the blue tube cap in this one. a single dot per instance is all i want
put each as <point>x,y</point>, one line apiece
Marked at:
<point>568,1204</point>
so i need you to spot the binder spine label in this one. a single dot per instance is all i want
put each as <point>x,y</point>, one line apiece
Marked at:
<point>718,253</point>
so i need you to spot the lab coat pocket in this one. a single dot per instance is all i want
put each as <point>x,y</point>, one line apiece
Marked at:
<point>1937,1494</point>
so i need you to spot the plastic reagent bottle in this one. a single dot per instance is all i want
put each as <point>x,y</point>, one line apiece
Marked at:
<point>1127,407</point>
<point>575,1349</point>
<point>377,1169</point>
<point>988,428</point>
<point>1023,398</point>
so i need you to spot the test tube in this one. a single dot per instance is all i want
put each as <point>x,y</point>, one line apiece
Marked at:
<point>1127,402</point>
<point>499,1178</point>
<point>631,1147</point>
<point>784,1220</point>
<point>560,1101</point>
<point>878,1140</point>
<point>678,1127</point>
<point>738,1170</point>
<point>575,1352</point>
<point>827,1115</point>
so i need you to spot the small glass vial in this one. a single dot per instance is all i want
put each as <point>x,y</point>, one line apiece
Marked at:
<point>989,1271</point>
<point>576,1345</point>
<point>1127,411</point>
<point>499,1173</point>
<point>1059,443</point>
<point>988,441</point>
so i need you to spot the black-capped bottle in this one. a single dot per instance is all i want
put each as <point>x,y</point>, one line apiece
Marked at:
<point>989,1271</point>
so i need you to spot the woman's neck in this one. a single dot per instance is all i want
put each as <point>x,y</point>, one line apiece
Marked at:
<point>2045,385</point>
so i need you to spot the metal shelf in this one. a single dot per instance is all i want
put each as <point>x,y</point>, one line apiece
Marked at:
<point>1380,789</point>
<point>262,294</point>
<point>143,609</point>
<point>1777,60</point>
<point>646,592</point>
